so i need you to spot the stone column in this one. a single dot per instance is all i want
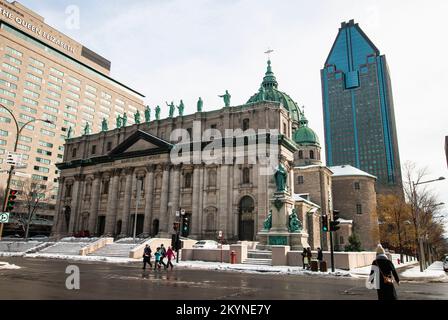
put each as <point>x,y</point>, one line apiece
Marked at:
<point>127,201</point>
<point>149,192</point>
<point>112,199</point>
<point>174,194</point>
<point>201,196</point>
<point>75,203</point>
<point>223,207</point>
<point>58,217</point>
<point>163,222</point>
<point>95,195</point>
<point>195,202</point>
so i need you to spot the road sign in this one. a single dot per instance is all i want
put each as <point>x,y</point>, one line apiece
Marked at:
<point>22,174</point>
<point>14,158</point>
<point>4,217</point>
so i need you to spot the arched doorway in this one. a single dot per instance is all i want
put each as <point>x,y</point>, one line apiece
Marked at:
<point>246,219</point>
<point>118,227</point>
<point>155,227</point>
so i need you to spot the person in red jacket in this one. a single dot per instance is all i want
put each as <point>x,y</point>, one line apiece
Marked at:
<point>170,255</point>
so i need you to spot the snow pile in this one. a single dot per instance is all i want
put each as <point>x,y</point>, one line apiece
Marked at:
<point>365,271</point>
<point>81,258</point>
<point>7,266</point>
<point>248,268</point>
<point>12,254</point>
<point>433,271</point>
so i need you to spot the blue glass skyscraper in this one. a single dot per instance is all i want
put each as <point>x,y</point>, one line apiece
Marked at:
<point>358,108</point>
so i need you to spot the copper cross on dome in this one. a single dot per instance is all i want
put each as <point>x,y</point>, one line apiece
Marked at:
<point>269,53</point>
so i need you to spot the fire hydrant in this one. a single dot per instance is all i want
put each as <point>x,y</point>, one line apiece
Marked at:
<point>232,257</point>
<point>398,260</point>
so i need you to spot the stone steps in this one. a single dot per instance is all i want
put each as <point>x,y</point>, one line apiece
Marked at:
<point>65,248</point>
<point>118,250</point>
<point>259,254</point>
<point>259,262</point>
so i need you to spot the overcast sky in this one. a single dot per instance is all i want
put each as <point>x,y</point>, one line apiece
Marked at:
<point>172,50</point>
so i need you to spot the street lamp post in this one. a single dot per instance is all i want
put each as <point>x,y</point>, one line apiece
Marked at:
<point>11,171</point>
<point>422,261</point>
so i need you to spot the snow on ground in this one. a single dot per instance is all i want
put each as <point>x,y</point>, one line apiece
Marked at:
<point>7,266</point>
<point>365,271</point>
<point>12,254</point>
<point>81,258</point>
<point>433,271</point>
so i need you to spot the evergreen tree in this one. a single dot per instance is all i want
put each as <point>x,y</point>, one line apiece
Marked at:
<point>354,244</point>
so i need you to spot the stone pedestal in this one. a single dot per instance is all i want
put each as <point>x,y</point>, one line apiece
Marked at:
<point>279,234</point>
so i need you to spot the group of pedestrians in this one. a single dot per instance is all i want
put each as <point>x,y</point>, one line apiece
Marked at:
<point>307,255</point>
<point>159,256</point>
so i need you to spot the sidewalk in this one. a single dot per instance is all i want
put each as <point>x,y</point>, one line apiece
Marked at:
<point>434,272</point>
<point>365,271</point>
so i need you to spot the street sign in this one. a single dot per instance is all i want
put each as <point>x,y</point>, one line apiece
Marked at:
<point>4,217</point>
<point>177,213</point>
<point>14,158</point>
<point>22,174</point>
<point>219,234</point>
<point>182,212</point>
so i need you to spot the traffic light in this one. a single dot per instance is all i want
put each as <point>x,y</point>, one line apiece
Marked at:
<point>185,227</point>
<point>335,222</point>
<point>12,195</point>
<point>325,223</point>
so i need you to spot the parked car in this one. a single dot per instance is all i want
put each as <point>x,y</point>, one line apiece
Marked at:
<point>445,264</point>
<point>206,244</point>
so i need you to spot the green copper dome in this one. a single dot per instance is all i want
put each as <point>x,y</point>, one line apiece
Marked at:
<point>305,135</point>
<point>269,92</point>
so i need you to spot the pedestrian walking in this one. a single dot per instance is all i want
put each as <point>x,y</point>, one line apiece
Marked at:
<point>147,257</point>
<point>309,255</point>
<point>157,256</point>
<point>163,255</point>
<point>320,255</point>
<point>304,258</point>
<point>382,276</point>
<point>170,256</point>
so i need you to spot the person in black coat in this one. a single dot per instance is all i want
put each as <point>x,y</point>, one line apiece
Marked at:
<point>320,255</point>
<point>147,256</point>
<point>387,270</point>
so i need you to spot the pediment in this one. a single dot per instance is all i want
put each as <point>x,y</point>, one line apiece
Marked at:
<point>141,143</point>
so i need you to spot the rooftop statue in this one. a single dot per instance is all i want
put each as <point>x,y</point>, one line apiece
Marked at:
<point>172,108</point>
<point>104,125</point>
<point>147,114</point>
<point>86,129</point>
<point>262,94</point>
<point>280,178</point>
<point>137,117</point>
<point>200,104</point>
<point>294,223</point>
<point>181,108</point>
<point>125,119</point>
<point>69,132</point>
<point>158,113</point>
<point>119,122</point>
<point>226,97</point>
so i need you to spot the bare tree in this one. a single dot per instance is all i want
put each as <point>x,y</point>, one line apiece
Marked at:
<point>33,198</point>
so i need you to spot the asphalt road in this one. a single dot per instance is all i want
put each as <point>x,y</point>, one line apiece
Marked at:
<point>46,280</point>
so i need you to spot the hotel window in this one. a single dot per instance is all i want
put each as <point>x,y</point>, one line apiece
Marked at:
<point>71,109</point>
<point>59,73</point>
<point>5,120</point>
<point>14,51</point>
<point>23,147</point>
<point>357,186</point>
<point>89,109</point>
<point>39,177</point>
<point>3,142</point>
<point>36,70</point>
<point>49,125</point>
<point>30,101</point>
<point>44,152</point>
<point>10,67</point>
<point>28,109</point>
<point>88,116</point>
<point>25,138</point>
<point>13,60</point>
<point>74,88</point>
<point>45,144</point>
<point>54,94</point>
<point>28,126</point>
<point>7,93</point>
<point>48,108</point>
<point>73,102</point>
<point>90,88</point>
<point>359,209</point>
<point>8,84</point>
<point>37,62</point>
<point>3,133</point>
<point>74,80</point>
<point>10,76</point>
<point>70,116</point>
<point>31,93</point>
<point>89,101</point>
<point>54,86</point>
<point>107,103</point>
<point>119,109</point>
<point>42,160</point>
<point>52,101</point>
<point>300,179</point>
<point>90,95</point>
<point>73,95</point>
<point>47,132</point>
<point>51,77</point>
<point>32,85</point>
<point>106,95</point>
<point>6,101</point>
<point>27,117</point>
<point>120,102</point>
<point>33,77</point>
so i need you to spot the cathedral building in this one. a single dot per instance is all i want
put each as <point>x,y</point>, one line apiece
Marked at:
<point>143,177</point>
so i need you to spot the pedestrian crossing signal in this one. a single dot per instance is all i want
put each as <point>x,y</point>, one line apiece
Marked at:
<point>325,223</point>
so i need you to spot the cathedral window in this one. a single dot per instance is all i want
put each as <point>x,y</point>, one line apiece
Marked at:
<point>212,178</point>
<point>73,152</point>
<point>311,154</point>
<point>300,154</point>
<point>105,188</point>
<point>246,175</point>
<point>359,209</point>
<point>245,124</point>
<point>187,180</point>
<point>357,186</point>
<point>300,179</point>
